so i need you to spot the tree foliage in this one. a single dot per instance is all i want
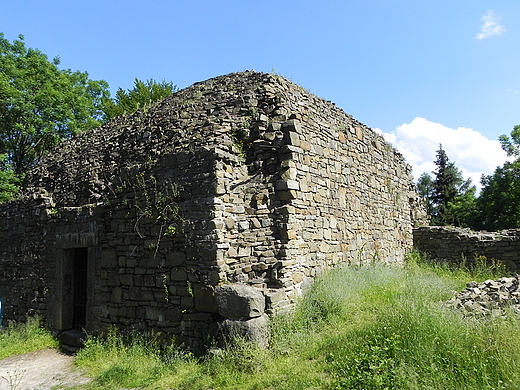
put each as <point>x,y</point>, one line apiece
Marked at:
<point>40,104</point>
<point>425,189</point>
<point>499,201</point>
<point>511,145</point>
<point>8,181</point>
<point>449,198</point>
<point>141,96</point>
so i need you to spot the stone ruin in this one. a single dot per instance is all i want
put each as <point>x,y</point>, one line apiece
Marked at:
<point>455,244</point>
<point>489,297</point>
<point>213,208</point>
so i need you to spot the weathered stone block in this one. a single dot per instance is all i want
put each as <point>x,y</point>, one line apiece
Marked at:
<point>287,195</point>
<point>126,279</point>
<point>175,258</point>
<point>289,174</point>
<point>239,301</point>
<point>284,185</point>
<point>177,275</point>
<point>117,295</point>
<point>275,296</point>
<point>255,330</point>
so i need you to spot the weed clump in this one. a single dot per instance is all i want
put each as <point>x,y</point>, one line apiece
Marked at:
<point>19,338</point>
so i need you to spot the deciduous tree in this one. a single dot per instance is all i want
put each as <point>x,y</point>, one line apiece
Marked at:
<point>8,181</point>
<point>499,200</point>
<point>141,96</point>
<point>511,145</point>
<point>41,104</point>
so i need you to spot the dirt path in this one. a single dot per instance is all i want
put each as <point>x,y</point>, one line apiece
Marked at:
<point>41,370</point>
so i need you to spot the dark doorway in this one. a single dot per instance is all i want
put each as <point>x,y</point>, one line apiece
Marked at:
<point>80,267</point>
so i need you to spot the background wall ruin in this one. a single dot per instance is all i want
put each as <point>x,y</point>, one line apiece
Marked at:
<point>454,244</point>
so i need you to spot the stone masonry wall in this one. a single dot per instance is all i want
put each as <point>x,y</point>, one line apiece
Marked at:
<point>314,188</point>
<point>245,179</point>
<point>349,193</point>
<point>457,244</point>
<point>23,271</point>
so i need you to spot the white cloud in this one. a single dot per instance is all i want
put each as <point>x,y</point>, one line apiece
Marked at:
<point>471,152</point>
<point>490,26</point>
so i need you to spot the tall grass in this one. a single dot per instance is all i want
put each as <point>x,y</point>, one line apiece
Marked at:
<point>374,327</point>
<point>19,338</point>
<point>387,329</point>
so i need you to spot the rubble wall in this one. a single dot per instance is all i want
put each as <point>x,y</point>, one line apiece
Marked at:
<point>454,244</point>
<point>242,179</point>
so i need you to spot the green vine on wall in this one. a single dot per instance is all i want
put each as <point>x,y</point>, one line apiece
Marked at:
<point>158,203</point>
<point>241,136</point>
<point>152,205</point>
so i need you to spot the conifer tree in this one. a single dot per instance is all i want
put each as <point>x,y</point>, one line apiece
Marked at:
<point>451,199</point>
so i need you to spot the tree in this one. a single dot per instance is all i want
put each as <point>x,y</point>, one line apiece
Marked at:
<point>8,181</point>
<point>499,200</point>
<point>40,104</point>
<point>450,199</point>
<point>463,210</point>
<point>425,189</point>
<point>511,145</point>
<point>141,96</point>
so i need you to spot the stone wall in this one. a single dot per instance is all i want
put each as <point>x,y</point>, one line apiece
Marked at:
<point>338,192</point>
<point>242,179</point>
<point>457,244</point>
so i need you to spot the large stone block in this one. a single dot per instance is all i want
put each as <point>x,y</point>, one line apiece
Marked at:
<point>238,301</point>
<point>255,330</point>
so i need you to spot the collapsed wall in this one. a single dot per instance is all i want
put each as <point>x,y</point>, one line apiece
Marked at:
<point>243,179</point>
<point>491,297</point>
<point>454,244</point>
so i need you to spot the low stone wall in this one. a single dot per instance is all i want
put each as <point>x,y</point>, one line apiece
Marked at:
<point>457,244</point>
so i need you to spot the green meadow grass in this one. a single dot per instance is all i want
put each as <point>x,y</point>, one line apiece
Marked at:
<point>20,338</point>
<point>369,327</point>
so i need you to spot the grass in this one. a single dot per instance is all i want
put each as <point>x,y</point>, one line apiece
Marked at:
<point>373,327</point>
<point>20,338</point>
<point>369,327</point>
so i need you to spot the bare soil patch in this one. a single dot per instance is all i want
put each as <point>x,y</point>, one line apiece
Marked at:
<point>41,370</point>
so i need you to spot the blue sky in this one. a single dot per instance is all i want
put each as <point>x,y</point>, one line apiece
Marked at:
<point>422,72</point>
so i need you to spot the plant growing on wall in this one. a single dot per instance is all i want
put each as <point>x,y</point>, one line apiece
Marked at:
<point>155,202</point>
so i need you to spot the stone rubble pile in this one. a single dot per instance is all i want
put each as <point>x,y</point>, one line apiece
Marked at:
<point>489,297</point>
